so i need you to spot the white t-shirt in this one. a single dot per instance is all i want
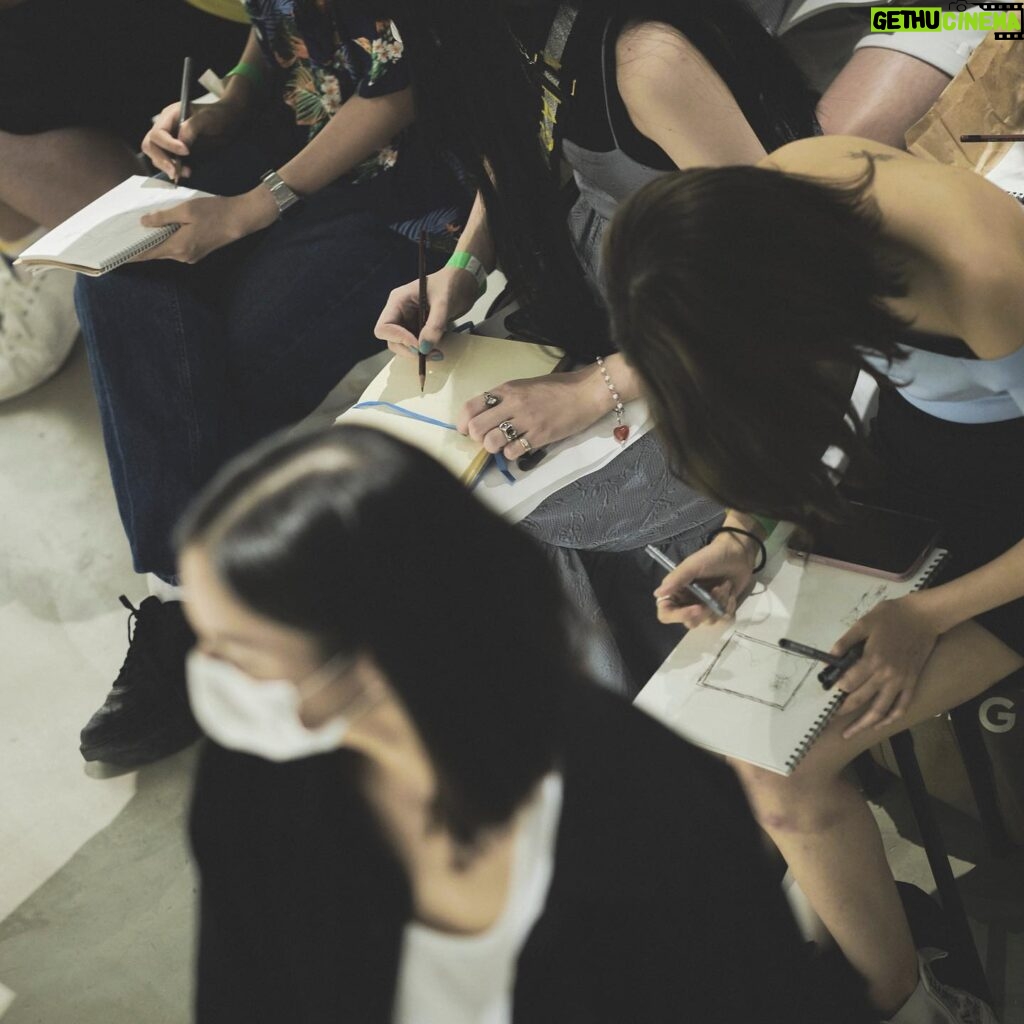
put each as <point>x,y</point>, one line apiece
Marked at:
<point>468,979</point>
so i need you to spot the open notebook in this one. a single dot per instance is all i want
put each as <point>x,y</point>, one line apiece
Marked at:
<point>107,232</point>
<point>471,365</point>
<point>729,689</point>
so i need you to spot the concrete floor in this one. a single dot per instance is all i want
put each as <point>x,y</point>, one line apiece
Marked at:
<point>96,888</point>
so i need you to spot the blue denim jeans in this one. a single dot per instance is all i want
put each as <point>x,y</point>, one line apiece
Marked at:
<point>192,364</point>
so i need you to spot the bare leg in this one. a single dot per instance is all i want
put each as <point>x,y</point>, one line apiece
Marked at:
<point>47,177</point>
<point>830,840</point>
<point>879,94</point>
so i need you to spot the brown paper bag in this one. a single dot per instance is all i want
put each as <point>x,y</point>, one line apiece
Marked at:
<point>985,98</point>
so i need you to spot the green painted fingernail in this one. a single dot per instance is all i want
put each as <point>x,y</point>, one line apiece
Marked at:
<point>425,347</point>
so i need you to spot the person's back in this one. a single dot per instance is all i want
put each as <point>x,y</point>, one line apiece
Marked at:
<point>477,835</point>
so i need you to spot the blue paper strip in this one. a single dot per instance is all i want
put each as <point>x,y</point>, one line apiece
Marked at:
<point>499,459</point>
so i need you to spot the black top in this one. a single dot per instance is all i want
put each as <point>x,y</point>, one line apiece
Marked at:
<point>661,906</point>
<point>594,120</point>
<point>601,123</point>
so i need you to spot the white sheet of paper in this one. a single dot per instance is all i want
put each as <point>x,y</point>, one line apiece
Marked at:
<point>108,225</point>
<point>569,460</point>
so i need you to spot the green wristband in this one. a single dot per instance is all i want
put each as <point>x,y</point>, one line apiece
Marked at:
<point>467,261</point>
<point>253,72</point>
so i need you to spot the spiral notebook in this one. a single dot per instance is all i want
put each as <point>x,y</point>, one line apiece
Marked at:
<point>729,689</point>
<point>107,232</point>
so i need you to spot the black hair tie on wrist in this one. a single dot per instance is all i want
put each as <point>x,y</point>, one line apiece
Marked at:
<point>762,561</point>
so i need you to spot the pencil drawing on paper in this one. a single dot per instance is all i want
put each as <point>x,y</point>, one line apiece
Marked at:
<point>865,603</point>
<point>752,669</point>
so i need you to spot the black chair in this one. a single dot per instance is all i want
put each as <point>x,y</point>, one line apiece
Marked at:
<point>873,779</point>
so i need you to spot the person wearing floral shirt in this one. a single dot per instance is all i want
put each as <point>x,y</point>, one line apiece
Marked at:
<point>192,363</point>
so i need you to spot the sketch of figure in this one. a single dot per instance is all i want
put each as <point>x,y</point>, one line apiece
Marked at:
<point>753,669</point>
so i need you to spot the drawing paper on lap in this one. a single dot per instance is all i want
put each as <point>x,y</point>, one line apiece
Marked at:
<point>106,234</point>
<point>471,365</point>
<point>729,689</point>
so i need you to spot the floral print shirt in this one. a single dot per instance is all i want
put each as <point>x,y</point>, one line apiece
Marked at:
<point>325,59</point>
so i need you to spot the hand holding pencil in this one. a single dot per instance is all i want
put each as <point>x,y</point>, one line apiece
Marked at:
<point>180,126</point>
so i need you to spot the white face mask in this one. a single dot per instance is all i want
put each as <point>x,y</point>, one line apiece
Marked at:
<point>256,716</point>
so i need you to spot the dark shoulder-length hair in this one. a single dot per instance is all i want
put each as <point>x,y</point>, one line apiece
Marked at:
<point>479,99</point>
<point>747,299</point>
<point>368,545</point>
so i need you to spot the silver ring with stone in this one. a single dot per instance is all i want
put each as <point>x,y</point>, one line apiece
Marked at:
<point>527,447</point>
<point>491,400</point>
<point>508,430</point>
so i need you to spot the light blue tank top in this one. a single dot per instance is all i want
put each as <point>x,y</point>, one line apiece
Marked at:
<point>957,389</point>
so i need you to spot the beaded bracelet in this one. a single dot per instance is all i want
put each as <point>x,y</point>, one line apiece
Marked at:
<point>621,431</point>
<point>763,551</point>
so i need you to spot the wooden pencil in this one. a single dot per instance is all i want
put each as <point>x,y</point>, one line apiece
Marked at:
<point>1004,137</point>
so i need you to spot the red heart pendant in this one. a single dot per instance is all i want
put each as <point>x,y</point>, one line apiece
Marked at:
<point>621,432</point>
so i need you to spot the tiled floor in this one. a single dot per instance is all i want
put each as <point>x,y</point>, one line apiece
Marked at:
<point>96,889</point>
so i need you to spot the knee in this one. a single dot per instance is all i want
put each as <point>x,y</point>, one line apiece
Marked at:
<point>797,803</point>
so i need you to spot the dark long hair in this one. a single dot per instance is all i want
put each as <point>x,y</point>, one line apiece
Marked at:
<point>369,546</point>
<point>477,98</point>
<point>747,299</point>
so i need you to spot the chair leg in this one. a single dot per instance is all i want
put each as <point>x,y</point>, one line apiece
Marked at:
<point>938,861</point>
<point>967,728</point>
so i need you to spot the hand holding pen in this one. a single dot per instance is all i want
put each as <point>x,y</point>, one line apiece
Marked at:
<point>723,568</point>
<point>710,604</point>
<point>424,308</point>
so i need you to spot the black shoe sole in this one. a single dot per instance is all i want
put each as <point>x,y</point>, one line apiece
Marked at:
<point>142,752</point>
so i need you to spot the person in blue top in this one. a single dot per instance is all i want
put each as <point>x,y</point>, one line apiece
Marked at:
<point>837,255</point>
<point>254,309</point>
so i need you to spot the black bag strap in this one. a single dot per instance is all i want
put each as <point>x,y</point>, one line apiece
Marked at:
<point>554,87</point>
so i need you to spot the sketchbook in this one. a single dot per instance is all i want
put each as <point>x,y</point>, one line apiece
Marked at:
<point>393,403</point>
<point>729,689</point>
<point>106,234</point>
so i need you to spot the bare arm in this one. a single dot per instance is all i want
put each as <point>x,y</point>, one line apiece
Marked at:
<point>675,98</point>
<point>476,237</point>
<point>879,94</point>
<point>361,127</point>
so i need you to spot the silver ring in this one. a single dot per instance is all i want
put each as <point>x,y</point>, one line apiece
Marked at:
<point>491,400</point>
<point>527,447</point>
<point>508,430</point>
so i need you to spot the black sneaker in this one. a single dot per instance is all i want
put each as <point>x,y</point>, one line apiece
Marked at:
<point>146,715</point>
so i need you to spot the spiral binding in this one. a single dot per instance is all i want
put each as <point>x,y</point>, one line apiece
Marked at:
<point>939,556</point>
<point>1019,196</point>
<point>815,730</point>
<point>147,243</point>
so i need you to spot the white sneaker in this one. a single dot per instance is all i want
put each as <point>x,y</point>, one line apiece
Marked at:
<point>935,1003</point>
<point>38,327</point>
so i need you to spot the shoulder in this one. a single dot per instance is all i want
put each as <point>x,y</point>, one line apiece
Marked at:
<point>656,58</point>
<point>676,98</point>
<point>834,156</point>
